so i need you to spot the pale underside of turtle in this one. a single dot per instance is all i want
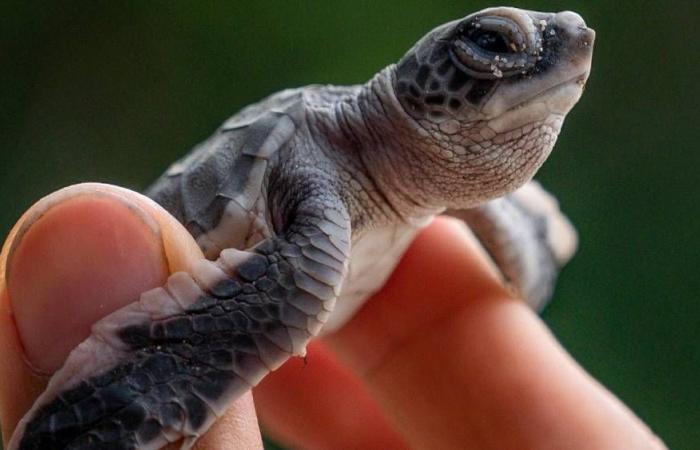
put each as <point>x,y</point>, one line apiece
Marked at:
<point>303,205</point>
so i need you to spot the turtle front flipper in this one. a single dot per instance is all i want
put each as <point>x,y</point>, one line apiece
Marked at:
<point>164,367</point>
<point>528,238</point>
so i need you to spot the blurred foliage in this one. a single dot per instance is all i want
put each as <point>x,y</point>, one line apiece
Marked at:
<point>114,91</point>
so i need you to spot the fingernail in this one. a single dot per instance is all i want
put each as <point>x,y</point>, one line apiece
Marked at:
<point>79,259</point>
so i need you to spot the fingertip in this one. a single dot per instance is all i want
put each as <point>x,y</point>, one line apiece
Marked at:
<point>74,261</point>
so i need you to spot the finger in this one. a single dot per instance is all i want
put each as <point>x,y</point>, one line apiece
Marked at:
<point>73,258</point>
<point>319,404</point>
<point>455,362</point>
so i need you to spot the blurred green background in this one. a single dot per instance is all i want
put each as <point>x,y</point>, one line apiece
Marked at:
<point>115,91</point>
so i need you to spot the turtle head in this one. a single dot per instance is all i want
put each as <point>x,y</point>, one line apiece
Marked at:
<point>489,93</point>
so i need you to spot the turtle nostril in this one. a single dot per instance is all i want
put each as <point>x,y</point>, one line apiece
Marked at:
<point>573,25</point>
<point>588,34</point>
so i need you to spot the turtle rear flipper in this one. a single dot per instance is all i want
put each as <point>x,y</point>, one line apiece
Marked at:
<point>528,238</point>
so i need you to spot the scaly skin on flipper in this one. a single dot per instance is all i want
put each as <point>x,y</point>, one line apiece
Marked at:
<point>309,197</point>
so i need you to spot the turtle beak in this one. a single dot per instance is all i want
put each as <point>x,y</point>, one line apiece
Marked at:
<point>579,39</point>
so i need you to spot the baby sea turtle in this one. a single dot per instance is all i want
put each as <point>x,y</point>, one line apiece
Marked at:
<point>304,203</point>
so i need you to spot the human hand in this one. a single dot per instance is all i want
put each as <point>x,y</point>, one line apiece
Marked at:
<point>443,357</point>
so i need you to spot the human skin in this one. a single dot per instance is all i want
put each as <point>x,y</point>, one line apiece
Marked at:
<point>442,357</point>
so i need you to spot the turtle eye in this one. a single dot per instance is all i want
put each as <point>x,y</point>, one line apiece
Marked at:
<point>491,47</point>
<point>491,41</point>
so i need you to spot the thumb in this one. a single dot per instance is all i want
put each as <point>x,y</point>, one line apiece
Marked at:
<point>74,257</point>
